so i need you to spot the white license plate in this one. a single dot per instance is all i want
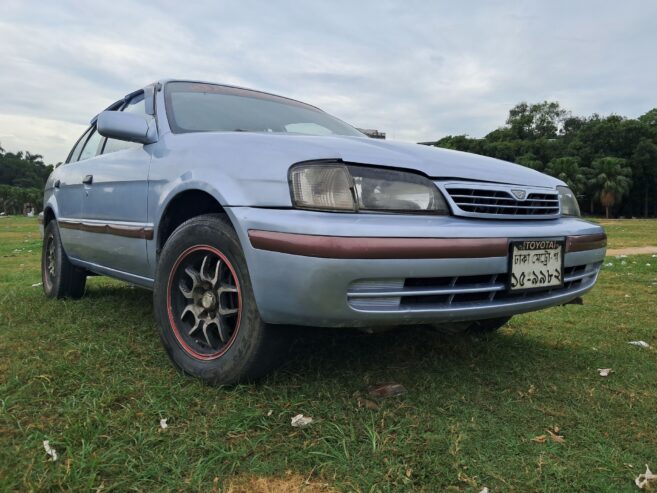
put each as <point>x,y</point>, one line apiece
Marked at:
<point>536,264</point>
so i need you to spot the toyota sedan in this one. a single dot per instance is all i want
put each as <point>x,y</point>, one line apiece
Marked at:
<point>246,212</point>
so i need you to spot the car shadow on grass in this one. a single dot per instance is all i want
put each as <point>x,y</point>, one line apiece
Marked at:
<point>404,354</point>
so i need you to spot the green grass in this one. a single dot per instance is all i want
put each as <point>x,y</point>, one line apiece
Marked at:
<point>91,377</point>
<point>630,232</point>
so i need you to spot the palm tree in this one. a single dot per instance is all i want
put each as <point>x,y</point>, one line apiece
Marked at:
<point>567,169</point>
<point>611,176</point>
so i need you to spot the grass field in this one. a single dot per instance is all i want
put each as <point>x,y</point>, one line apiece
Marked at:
<point>91,377</point>
<point>630,232</point>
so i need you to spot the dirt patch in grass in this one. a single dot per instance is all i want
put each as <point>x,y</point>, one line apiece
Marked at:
<point>289,484</point>
<point>646,250</point>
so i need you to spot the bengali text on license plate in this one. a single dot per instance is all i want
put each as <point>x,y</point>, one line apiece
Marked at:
<point>536,264</point>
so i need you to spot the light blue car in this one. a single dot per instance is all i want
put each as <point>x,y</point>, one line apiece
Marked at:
<point>245,212</point>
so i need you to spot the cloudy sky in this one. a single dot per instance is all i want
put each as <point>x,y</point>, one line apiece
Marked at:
<point>417,70</point>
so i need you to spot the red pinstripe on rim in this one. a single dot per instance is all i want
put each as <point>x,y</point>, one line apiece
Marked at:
<point>172,321</point>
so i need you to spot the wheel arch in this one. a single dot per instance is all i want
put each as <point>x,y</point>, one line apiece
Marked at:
<point>182,206</point>
<point>49,213</point>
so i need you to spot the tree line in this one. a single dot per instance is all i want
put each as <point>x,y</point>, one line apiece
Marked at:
<point>22,177</point>
<point>609,162</point>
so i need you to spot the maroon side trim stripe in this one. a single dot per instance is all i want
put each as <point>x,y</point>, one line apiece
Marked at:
<point>586,242</point>
<point>360,247</point>
<point>111,229</point>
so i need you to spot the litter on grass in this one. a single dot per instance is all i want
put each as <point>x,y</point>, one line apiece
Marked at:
<point>163,423</point>
<point>646,478</point>
<point>50,451</point>
<point>37,284</point>
<point>484,490</point>
<point>604,372</point>
<point>642,344</point>
<point>301,421</point>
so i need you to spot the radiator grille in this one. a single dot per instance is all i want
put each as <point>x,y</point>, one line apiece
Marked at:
<point>480,201</point>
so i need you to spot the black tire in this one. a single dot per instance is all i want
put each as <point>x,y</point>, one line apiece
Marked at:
<point>487,326</point>
<point>60,278</point>
<point>235,346</point>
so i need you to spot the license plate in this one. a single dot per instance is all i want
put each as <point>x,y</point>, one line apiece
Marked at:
<point>536,264</point>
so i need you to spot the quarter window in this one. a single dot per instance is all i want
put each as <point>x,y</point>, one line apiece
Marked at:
<point>75,153</point>
<point>91,147</point>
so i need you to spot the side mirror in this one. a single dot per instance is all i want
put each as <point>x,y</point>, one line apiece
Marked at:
<point>126,126</point>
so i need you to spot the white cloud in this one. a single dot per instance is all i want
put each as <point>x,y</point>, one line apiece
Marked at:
<point>417,70</point>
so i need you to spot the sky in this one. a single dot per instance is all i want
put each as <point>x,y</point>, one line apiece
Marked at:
<point>417,70</point>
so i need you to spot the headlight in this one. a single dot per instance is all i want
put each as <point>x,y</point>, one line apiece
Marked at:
<point>341,187</point>
<point>568,202</point>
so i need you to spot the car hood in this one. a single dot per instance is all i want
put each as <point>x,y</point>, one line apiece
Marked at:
<point>254,167</point>
<point>438,163</point>
<point>434,162</point>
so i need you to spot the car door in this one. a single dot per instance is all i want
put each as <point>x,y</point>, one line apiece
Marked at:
<point>68,190</point>
<point>114,204</point>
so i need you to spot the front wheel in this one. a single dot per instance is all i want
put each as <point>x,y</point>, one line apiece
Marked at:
<point>205,307</point>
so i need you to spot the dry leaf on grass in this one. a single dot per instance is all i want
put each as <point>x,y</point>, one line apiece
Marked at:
<point>646,479</point>
<point>555,437</point>
<point>366,403</point>
<point>301,421</point>
<point>604,372</point>
<point>386,390</point>
<point>553,434</point>
<point>50,451</point>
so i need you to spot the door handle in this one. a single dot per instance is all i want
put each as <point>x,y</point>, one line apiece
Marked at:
<point>88,180</point>
<point>56,184</point>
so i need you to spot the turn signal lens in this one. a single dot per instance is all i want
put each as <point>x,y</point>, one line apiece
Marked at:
<point>322,187</point>
<point>568,202</point>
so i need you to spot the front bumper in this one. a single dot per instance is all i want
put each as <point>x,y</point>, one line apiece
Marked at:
<point>327,269</point>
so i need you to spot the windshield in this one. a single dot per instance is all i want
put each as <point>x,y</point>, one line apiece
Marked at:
<point>197,107</point>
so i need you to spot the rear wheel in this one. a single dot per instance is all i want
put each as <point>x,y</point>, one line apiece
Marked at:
<point>60,278</point>
<point>205,307</point>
